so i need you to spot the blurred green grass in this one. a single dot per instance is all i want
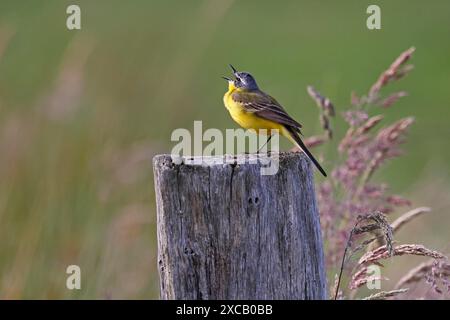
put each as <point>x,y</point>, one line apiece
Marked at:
<point>83,112</point>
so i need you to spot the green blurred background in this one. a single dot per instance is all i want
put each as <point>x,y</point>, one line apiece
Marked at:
<point>83,112</point>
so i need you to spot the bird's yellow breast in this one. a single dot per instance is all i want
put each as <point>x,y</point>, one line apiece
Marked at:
<point>247,120</point>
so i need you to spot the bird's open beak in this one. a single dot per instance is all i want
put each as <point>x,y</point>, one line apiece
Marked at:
<point>234,73</point>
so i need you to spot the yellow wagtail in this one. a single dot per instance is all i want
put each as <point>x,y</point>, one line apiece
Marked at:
<point>253,109</point>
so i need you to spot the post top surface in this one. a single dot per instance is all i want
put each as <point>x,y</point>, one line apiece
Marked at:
<point>228,159</point>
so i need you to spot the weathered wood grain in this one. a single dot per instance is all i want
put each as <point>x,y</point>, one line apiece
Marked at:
<point>227,232</point>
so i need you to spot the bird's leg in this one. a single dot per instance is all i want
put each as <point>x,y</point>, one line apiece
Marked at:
<point>268,139</point>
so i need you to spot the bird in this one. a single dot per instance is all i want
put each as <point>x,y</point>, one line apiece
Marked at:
<point>254,109</point>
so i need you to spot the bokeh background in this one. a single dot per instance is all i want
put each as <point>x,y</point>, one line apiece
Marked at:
<point>83,112</point>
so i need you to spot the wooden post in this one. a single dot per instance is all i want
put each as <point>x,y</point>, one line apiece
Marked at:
<point>227,232</point>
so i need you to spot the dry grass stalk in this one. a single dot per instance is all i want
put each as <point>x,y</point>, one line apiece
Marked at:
<point>369,242</point>
<point>383,295</point>
<point>385,228</point>
<point>394,72</point>
<point>359,132</point>
<point>326,110</point>
<point>416,274</point>
<point>421,271</point>
<point>345,142</point>
<point>314,141</point>
<point>350,190</point>
<point>360,278</point>
<point>322,102</point>
<point>367,228</point>
<point>354,99</point>
<point>380,223</point>
<point>339,295</point>
<point>394,132</point>
<point>369,124</point>
<point>408,216</point>
<point>386,138</point>
<point>398,201</point>
<point>389,101</point>
<point>325,122</point>
<point>383,253</point>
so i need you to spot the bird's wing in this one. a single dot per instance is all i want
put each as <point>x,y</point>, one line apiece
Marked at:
<point>265,106</point>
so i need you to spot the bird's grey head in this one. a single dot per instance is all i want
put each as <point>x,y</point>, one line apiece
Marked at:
<point>243,80</point>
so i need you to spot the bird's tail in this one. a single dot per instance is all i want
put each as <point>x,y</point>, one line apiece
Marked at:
<point>298,141</point>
